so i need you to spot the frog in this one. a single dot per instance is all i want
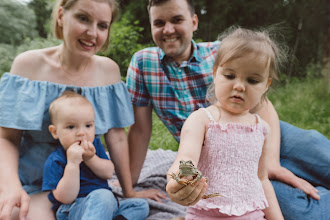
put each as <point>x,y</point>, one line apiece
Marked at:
<point>186,169</point>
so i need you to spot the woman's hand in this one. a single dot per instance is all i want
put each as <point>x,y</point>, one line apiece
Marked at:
<point>186,195</point>
<point>9,198</point>
<point>286,176</point>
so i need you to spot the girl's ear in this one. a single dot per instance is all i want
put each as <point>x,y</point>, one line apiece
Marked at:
<point>52,130</point>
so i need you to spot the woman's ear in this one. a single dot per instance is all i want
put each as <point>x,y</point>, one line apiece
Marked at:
<point>59,17</point>
<point>52,130</point>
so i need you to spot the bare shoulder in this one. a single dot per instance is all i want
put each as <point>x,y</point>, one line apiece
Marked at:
<point>29,63</point>
<point>264,123</point>
<point>108,70</point>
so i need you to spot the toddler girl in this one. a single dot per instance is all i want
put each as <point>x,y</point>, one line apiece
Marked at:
<point>227,143</point>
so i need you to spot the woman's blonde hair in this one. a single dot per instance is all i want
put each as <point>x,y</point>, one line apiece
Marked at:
<point>67,4</point>
<point>237,42</point>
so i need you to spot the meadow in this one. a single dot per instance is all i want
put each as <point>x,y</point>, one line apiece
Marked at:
<point>305,104</point>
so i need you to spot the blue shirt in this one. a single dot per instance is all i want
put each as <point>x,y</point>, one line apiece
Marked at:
<point>54,170</point>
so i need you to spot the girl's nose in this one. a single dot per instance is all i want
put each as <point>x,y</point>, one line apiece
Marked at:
<point>239,86</point>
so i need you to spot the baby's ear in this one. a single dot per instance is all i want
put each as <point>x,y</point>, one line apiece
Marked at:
<point>52,130</point>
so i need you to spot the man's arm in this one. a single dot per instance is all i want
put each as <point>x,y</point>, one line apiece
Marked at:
<point>275,171</point>
<point>138,139</point>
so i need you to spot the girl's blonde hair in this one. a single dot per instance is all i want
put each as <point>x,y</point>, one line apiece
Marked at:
<point>237,42</point>
<point>67,4</point>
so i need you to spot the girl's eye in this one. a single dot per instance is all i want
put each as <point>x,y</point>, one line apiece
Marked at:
<point>229,76</point>
<point>253,81</point>
<point>70,127</point>
<point>89,125</point>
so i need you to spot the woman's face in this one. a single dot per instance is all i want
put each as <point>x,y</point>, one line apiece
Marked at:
<point>85,26</point>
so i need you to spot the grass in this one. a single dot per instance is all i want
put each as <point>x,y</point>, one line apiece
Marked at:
<point>305,104</point>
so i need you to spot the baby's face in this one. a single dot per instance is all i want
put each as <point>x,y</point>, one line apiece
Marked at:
<point>75,123</point>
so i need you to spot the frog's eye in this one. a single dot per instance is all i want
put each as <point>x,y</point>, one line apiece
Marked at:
<point>189,161</point>
<point>181,162</point>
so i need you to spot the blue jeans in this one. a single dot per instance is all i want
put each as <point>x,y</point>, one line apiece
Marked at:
<point>307,154</point>
<point>102,204</point>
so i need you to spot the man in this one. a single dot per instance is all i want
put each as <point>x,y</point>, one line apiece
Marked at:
<point>173,78</point>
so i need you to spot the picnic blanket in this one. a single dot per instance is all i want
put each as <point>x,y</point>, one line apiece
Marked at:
<point>153,175</point>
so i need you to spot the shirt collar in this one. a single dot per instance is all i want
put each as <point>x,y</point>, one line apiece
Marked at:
<point>195,57</point>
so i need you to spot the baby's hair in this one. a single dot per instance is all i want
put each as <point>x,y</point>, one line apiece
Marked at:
<point>66,95</point>
<point>67,4</point>
<point>237,42</point>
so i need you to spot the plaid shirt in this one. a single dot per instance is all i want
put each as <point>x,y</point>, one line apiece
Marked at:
<point>173,90</point>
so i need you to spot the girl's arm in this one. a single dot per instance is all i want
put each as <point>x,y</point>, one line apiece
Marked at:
<point>275,171</point>
<point>11,191</point>
<point>191,142</point>
<point>68,187</point>
<point>273,211</point>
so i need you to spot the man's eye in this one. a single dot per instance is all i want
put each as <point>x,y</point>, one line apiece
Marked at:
<point>158,23</point>
<point>177,20</point>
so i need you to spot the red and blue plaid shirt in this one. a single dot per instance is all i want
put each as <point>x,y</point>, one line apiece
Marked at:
<point>173,90</point>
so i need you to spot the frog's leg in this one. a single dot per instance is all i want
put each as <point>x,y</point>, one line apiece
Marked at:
<point>179,180</point>
<point>211,195</point>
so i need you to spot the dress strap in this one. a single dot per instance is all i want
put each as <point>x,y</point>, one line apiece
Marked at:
<point>258,118</point>
<point>208,114</point>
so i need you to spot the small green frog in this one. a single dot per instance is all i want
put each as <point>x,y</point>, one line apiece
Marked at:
<point>187,169</point>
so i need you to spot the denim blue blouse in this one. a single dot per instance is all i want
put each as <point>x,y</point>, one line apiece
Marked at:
<point>24,105</point>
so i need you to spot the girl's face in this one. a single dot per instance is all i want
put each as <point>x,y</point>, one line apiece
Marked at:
<point>241,82</point>
<point>85,26</point>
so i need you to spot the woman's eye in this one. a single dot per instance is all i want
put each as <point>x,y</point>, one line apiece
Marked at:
<point>103,26</point>
<point>83,18</point>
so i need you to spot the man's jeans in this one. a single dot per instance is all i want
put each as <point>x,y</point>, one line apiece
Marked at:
<point>102,204</point>
<point>307,154</point>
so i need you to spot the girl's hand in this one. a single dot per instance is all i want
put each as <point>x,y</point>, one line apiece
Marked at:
<point>89,150</point>
<point>75,153</point>
<point>186,195</point>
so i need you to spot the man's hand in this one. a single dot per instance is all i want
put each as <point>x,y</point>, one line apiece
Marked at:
<point>286,176</point>
<point>10,198</point>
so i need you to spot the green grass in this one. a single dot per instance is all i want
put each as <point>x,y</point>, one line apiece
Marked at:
<point>305,104</point>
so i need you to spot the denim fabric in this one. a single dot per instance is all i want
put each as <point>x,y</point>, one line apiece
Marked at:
<point>307,154</point>
<point>102,204</point>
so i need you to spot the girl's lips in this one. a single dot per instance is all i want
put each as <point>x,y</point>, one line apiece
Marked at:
<point>236,98</point>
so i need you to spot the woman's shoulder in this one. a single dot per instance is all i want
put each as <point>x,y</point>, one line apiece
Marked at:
<point>108,70</point>
<point>31,62</point>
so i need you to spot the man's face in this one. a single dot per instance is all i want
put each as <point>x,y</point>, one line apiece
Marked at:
<point>172,27</point>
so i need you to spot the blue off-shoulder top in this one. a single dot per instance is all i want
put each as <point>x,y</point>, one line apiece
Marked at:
<point>24,105</point>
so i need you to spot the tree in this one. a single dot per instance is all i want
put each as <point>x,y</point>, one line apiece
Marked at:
<point>17,22</point>
<point>42,11</point>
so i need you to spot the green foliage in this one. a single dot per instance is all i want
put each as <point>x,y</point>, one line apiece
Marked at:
<point>17,22</point>
<point>7,54</point>
<point>42,11</point>
<point>37,43</point>
<point>124,37</point>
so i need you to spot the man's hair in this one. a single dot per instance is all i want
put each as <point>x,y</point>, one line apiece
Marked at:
<point>159,2</point>
<point>66,95</point>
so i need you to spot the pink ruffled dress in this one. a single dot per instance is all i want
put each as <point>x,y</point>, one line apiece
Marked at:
<point>229,158</point>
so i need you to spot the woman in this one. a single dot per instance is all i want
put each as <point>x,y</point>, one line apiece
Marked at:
<point>36,78</point>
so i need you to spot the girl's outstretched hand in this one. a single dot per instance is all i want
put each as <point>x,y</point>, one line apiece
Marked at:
<point>186,195</point>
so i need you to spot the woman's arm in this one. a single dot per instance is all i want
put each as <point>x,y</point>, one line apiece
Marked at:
<point>11,191</point>
<point>275,171</point>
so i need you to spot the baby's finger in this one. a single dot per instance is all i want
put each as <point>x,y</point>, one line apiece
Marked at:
<point>25,202</point>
